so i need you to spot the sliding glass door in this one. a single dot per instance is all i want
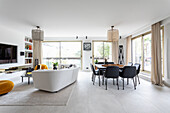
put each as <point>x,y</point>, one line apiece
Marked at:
<point>136,52</point>
<point>71,53</point>
<point>102,50</point>
<point>147,52</point>
<point>51,53</point>
<point>62,52</point>
<point>141,50</point>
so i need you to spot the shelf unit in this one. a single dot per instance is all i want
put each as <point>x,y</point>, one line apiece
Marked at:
<point>28,50</point>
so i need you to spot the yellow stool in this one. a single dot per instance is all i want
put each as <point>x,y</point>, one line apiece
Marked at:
<point>6,86</point>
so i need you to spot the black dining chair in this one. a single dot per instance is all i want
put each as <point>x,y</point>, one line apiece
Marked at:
<point>137,65</point>
<point>130,64</point>
<point>100,63</point>
<point>112,72</point>
<point>101,71</point>
<point>128,72</point>
<point>109,62</point>
<point>94,74</point>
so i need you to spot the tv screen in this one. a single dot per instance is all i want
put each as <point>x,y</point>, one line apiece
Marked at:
<point>8,54</point>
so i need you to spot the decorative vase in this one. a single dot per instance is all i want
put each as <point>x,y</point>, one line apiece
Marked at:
<point>54,67</point>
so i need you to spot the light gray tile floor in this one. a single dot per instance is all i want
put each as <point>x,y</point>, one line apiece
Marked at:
<point>89,98</point>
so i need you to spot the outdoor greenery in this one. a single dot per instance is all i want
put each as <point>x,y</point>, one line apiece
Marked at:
<point>106,51</point>
<point>55,63</point>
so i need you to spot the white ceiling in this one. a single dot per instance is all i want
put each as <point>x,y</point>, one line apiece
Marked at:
<point>69,18</point>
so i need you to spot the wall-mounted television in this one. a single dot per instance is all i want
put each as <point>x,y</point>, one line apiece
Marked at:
<point>8,54</point>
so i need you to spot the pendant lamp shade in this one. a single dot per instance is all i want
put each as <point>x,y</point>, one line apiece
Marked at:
<point>38,34</point>
<point>113,35</point>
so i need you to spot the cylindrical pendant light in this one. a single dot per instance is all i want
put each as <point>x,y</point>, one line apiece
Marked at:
<point>113,34</point>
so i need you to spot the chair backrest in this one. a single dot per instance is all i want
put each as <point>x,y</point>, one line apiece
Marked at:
<point>29,69</point>
<point>129,72</point>
<point>92,68</point>
<point>137,67</point>
<point>112,72</point>
<point>100,63</point>
<point>109,62</point>
<point>130,64</point>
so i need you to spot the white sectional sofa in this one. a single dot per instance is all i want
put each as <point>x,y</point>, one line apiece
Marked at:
<point>54,80</point>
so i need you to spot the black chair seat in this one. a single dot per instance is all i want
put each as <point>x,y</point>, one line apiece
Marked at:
<point>112,72</point>
<point>95,72</point>
<point>128,72</point>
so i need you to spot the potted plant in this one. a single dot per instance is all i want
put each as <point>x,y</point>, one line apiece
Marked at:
<point>55,64</point>
<point>96,61</point>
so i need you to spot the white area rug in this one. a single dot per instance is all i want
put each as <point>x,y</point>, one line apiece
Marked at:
<point>27,95</point>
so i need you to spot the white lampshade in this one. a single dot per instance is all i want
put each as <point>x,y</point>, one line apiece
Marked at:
<point>37,34</point>
<point>113,35</point>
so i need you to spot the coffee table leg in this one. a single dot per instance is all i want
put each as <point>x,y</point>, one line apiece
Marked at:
<point>22,79</point>
<point>28,80</point>
<point>99,77</point>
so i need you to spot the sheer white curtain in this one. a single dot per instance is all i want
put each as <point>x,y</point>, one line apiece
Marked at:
<point>128,49</point>
<point>156,68</point>
<point>37,51</point>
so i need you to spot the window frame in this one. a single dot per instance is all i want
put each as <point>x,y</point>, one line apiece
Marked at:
<point>93,41</point>
<point>61,58</point>
<point>142,44</point>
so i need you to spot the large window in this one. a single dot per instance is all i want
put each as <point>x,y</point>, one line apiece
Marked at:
<point>147,52</point>
<point>141,50</point>
<point>136,52</point>
<point>102,50</point>
<point>62,52</point>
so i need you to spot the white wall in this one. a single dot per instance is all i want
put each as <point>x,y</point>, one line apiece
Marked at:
<point>8,36</point>
<point>166,24</point>
<point>86,55</point>
<point>167,50</point>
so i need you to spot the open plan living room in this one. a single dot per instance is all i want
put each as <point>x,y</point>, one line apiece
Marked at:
<point>84,56</point>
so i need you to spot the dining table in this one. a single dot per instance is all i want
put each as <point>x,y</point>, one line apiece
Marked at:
<point>102,67</point>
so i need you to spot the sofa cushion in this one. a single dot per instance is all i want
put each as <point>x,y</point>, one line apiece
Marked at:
<point>6,86</point>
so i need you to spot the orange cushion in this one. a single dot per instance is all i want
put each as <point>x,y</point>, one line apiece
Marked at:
<point>6,86</point>
<point>43,66</point>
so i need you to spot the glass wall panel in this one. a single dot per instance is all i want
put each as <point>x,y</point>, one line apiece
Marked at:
<point>108,51</point>
<point>136,51</point>
<point>147,52</point>
<point>141,48</point>
<point>61,52</point>
<point>103,50</point>
<point>71,49</point>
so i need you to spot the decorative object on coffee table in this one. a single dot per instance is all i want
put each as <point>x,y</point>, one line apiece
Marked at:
<point>96,61</point>
<point>55,65</point>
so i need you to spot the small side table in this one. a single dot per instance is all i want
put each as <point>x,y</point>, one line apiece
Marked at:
<point>28,76</point>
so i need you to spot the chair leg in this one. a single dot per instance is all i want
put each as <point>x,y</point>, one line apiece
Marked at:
<point>138,79</point>
<point>94,77</point>
<point>103,80</point>
<point>22,78</point>
<point>127,81</point>
<point>134,83</point>
<point>99,80</point>
<point>123,83</point>
<point>106,83</point>
<point>113,81</point>
<point>118,83</point>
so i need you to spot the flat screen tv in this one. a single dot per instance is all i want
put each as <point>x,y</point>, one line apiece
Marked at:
<point>8,54</point>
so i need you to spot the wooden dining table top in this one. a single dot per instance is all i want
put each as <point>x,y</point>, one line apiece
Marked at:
<point>106,65</point>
